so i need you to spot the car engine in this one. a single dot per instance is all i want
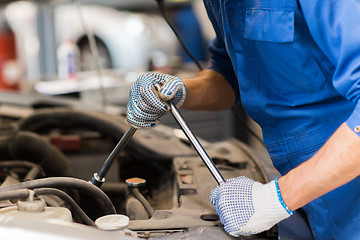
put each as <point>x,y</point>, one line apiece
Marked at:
<point>157,189</point>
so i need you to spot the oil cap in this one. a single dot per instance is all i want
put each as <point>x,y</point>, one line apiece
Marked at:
<point>112,222</point>
<point>135,182</point>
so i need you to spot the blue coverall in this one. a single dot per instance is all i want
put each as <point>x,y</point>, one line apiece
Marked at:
<point>296,66</point>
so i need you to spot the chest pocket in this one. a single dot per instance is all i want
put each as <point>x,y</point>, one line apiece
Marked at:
<point>270,20</point>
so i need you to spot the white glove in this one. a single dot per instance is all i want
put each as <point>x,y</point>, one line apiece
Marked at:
<point>246,207</point>
<point>146,103</point>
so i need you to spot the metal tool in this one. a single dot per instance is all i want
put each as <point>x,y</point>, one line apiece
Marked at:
<point>99,178</point>
<point>195,142</point>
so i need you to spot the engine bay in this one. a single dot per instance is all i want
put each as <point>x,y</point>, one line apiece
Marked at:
<point>159,184</point>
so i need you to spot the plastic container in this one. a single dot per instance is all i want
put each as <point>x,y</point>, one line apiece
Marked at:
<point>67,60</point>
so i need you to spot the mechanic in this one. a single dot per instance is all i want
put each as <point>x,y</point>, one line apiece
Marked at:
<point>296,66</point>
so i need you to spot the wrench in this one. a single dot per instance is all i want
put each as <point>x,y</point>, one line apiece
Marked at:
<point>196,144</point>
<point>98,178</point>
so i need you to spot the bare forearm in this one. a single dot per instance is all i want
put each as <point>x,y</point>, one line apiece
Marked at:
<point>335,164</point>
<point>208,91</point>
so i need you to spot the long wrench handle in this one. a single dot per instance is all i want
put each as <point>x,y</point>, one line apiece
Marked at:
<point>195,142</point>
<point>98,178</point>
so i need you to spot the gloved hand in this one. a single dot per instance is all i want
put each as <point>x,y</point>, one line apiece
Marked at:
<point>147,103</point>
<point>246,207</point>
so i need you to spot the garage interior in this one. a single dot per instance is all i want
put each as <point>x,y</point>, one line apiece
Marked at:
<point>66,69</point>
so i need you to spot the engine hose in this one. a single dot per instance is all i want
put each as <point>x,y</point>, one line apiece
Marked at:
<point>143,201</point>
<point>35,169</point>
<point>15,194</point>
<point>108,125</point>
<point>135,210</point>
<point>24,193</point>
<point>61,194</point>
<point>66,182</point>
<point>46,119</point>
<point>31,147</point>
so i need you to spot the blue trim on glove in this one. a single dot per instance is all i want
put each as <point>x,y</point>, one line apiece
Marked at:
<point>281,199</point>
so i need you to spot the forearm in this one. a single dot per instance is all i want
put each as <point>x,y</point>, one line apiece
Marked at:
<point>335,164</point>
<point>208,91</point>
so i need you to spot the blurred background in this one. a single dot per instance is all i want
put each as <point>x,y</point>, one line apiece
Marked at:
<point>93,50</point>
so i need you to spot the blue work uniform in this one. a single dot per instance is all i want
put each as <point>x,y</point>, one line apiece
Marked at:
<point>296,66</point>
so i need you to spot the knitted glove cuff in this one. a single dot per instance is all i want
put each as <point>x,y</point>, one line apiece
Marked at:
<point>267,198</point>
<point>281,199</point>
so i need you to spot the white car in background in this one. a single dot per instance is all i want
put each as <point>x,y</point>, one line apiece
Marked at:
<point>125,40</point>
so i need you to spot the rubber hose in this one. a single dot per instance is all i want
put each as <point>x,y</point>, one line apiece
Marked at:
<point>35,169</point>
<point>66,118</point>
<point>61,194</point>
<point>66,182</point>
<point>45,119</point>
<point>4,149</point>
<point>135,209</point>
<point>30,146</point>
<point>24,193</point>
<point>143,201</point>
<point>14,194</point>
